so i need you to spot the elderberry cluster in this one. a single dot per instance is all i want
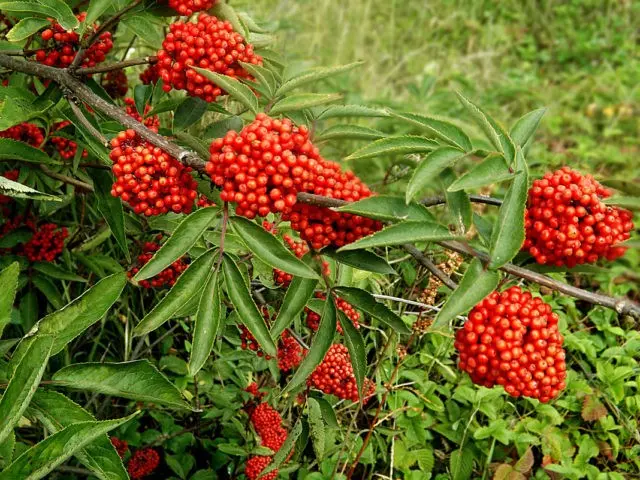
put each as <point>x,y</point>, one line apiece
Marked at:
<point>61,46</point>
<point>66,148</point>
<point>267,423</point>
<point>334,376</point>
<point>268,163</point>
<point>207,43</point>
<point>143,462</point>
<point>313,319</point>
<point>568,224</point>
<point>167,277</point>
<point>46,244</point>
<point>25,132</point>
<point>121,446</point>
<point>189,7</point>
<point>149,179</point>
<point>512,339</point>
<point>152,122</point>
<point>115,83</point>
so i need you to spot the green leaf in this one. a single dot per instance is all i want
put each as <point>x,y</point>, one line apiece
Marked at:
<point>138,380</point>
<point>401,145</point>
<point>264,76</point>
<point>341,111</point>
<point>51,8</point>
<point>23,384</point>
<point>55,412</point>
<point>54,271</point>
<point>110,207</point>
<point>147,27</point>
<point>425,459</point>
<point>48,289</point>
<point>427,171</point>
<point>476,284</point>
<point>316,424</point>
<point>328,413</point>
<point>363,300</point>
<point>187,285</point>
<point>350,132</point>
<point>183,238</point>
<point>96,9</point>
<point>26,27</point>
<point>17,190</point>
<point>45,456</point>
<point>491,170</point>
<point>6,450</point>
<point>388,209</point>
<point>355,345</point>
<point>220,128</point>
<point>188,112</point>
<point>9,281</point>
<point>267,248</point>
<point>362,260</point>
<point>246,307</point>
<point>508,234</point>
<point>233,87</point>
<point>404,232</point>
<point>298,293</point>
<point>526,126</point>
<point>498,137</point>
<point>320,345</point>
<point>458,203</point>
<point>445,131</point>
<point>207,325</point>
<point>631,203</point>
<point>314,75</point>
<point>300,101</point>
<point>15,150</point>
<point>282,454</point>
<point>461,464</point>
<point>625,186</point>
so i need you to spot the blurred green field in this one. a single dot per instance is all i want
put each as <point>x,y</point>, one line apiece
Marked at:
<point>577,58</point>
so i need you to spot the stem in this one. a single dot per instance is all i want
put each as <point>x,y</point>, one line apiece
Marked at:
<point>440,200</point>
<point>429,265</point>
<point>66,179</point>
<point>87,124</point>
<point>108,67</point>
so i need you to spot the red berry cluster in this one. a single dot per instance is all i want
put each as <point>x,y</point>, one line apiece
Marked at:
<point>290,353</point>
<point>253,389</point>
<point>11,175</point>
<point>189,7</point>
<point>149,179</point>
<point>568,224</point>
<point>255,466</point>
<point>66,148</point>
<point>313,319</point>
<point>152,122</point>
<point>149,75</point>
<point>143,462</point>
<point>300,249</point>
<point>208,43</point>
<point>62,46</point>
<point>267,423</point>
<point>25,132</point>
<point>121,446</point>
<point>115,83</point>
<point>262,169</point>
<point>203,201</point>
<point>167,277</point>
<point>512,339</point>
<point>46,244</point>
<point>334,375</point>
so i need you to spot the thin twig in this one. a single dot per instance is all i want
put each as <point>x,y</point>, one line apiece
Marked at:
<point>67,179</point>
<point>108,67</point>
<point>441,200</point>
<point>87,124</point>
<point>429,265</point>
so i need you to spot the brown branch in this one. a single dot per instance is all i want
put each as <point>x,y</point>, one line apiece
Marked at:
<point>430,266</point>
<point>108,67</point>
<point>87,124</point>
<point>66,179</point>
<point>440,200</point>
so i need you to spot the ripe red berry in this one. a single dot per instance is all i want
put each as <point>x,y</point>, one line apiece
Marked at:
<point>189,7</point>
<point>143,463</point>
<point>267,423</point>
<point>46,244</point>
<point>207,43</point>
<point>149,75</point>
<point>300,249</point>
<point>152,122</point>
<point>568,224</point>
<point>149,179</point>
<point>334,375</point>
<point>115,83</point>
<point>25,132</point>
<point>313,319</point>
<point>512,339</point>
<point>66,148</point>
<point>121,446</point>
<point>290,353</point>
<point>255,466</point>
<point>167,277</point>
<point>252,388</point>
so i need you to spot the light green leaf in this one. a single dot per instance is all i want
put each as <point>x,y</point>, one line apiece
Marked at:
<point>355,345</point>
<point>17,190</point>
<point>268,249</point>
<point>207,324</point>
<point>298,293</point>
<point>246,307</point>
<point>400,145</point>
<point>51,8</point>
<point>427,171</point>
<point>499,138</point>
<point>388,209</point>
<point>55,412</point>
<point>233,87</point>
<point>6,450</point>
<point>316,424</point>
<point>445,131</point>
<point>328,413</point>
<point>96,8</point>
<point>45,456</point>
<point>320,345</point>
<point>188,284</point>
<point>9,281</point>
<point>404,232</point>
<point>476,284</point>
<point>526,126</point>
<point>363,300</point>
<point>300,101</point>
<point>341,111</point>
<point>183,238</point>
<point>264,76</point>
<point>631,203</point>
<point>350,132</point>
<point>461,464</point>
<point>26,27</point>
<point>362,260</point>
<point>314,75</point>
<point>138,380</point>
<point>146,26</point>
<point>458,203</point>
<point>491,170</point>
<point>23,384</point>
<point>282,454</point>
<point>508,234</point>
<point>48,289</point>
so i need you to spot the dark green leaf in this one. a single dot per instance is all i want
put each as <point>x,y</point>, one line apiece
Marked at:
<point>14,150</point>
<point>445,131</point>
<point>147,27</point>
<point>233,87</point>
<point>386,208</point>
<point>188,284</point>
<point>207,325</point>
<point>491,170</point>
<point>461,464</point>
<point>96,9</point>
<point>363,300</point>
<point>268,249</point>
<point>401,145</point>
<point>362,260</point>
<point>526,126</point>
<point>300,101</point>
<point>138,380</point>
<point>320,345</point>
<point>52,8</point>
<point>281,455</point>
<point>427,171</point>
<point>404,232</point>
<point>246,307</point>
<point>328,413</point>
<point>189,112</point>
<point>298,293</point>
<point>355,345</point>
<point>54,271</point>
<point>476,284</point>
<point>316,424</point>
<point>48,289</point>
<point>9,281</point>
<point>631,203</point>
<point>220,128</point>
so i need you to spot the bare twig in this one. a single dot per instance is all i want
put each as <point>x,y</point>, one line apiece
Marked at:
<point>429,265</point>
<point>67,179</point>
<point>441,200</point>
<point>86,123</point>
<point>108,67</point>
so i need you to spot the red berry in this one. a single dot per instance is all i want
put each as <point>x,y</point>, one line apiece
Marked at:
<point>121,446</point>
<point>255,466</point>
<point>66,148</point>
<point>167,277</point>
<point>46,244</point>
<point>143,463</point>
<point>267,423</point>
<point>313,319</point>
<point>189,7</point>
<point>25,132</point>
